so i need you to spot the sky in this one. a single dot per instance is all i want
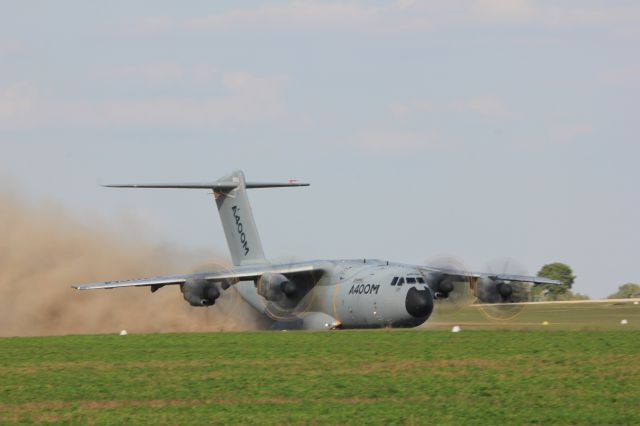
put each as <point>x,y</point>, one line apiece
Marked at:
<point>478,130</point>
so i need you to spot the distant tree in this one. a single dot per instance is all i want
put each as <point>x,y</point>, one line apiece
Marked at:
<point>626,291</point>
<point>568,295</point>
<point>556,271</point>
<point>578,296</point>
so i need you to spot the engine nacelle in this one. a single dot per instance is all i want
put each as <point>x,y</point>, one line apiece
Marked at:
<point>199,292</point>
<point>494,291</point>
<point>441,285</point>
<point>275,287</point>
<point>444,287</point>
<point>505,290</point>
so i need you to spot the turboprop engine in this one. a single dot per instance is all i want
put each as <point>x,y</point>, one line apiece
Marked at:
<point>275,287</point>
<point>489,290</point>
<point>199,292</point>
<point>442,287</point>
<point>441,284</point>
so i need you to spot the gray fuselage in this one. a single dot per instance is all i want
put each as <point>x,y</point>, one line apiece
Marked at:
<point>352,294</point>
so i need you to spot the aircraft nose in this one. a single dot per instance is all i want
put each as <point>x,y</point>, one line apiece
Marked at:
<point>419,303</point>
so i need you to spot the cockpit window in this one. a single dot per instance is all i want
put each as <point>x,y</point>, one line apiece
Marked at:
<point>394,280</point>
<point>411,280</point>
<point>401,281</point>
<point>421,280</point>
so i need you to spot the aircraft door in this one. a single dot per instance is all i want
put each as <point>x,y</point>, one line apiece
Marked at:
<point>366,299</point>
<point>353,307</point>
<point>361,302</point>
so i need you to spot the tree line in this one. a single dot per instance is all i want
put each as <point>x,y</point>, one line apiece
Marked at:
<point>563,273</point>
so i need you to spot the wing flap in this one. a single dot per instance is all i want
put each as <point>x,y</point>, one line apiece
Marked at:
<point>500,277</point>
<point>152,281</point>
<point>242,273</point>
<point>524,279</point>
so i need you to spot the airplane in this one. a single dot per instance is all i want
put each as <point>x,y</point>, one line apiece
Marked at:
<point>316,294</point>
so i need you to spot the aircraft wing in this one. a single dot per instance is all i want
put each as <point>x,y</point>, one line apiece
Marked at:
<point>522,278</point>
<point>238,273</point>
<point>454,273</point>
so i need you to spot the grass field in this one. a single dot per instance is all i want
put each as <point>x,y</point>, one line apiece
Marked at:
<point>373,377</point>
<point>580,317</point>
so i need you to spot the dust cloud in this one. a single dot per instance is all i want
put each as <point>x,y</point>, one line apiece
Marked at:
<point>44,249</point>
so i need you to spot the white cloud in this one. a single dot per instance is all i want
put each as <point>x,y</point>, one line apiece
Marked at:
<point>549,136</point>
<point>488,106</point>
<point>389,141</point>
<point>250,99</point>
<point>296,15</point>
<point>402,15</point>
<point>152,24</point>
<point>404,109</point>
<point>622,77</point>
<point>585,13</point>
<point>11,46</point>
<point>155,73</point>
<point>165,73</point>
<point>568,133</point>
<point>17,101</point>
<point>300,14</point>
<point>500,10</point>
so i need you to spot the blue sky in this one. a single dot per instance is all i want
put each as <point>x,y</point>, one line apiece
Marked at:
<point>479,130</point>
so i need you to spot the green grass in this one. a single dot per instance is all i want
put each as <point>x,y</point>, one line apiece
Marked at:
<point>580,317</point>
<point>371,377</point>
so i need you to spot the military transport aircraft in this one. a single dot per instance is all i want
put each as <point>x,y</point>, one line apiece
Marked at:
<point>318,294</point>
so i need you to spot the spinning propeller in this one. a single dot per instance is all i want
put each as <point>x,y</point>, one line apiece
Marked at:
<point>497,297</point>
<point>501,299</point>
<point>288,299</point>
<point>285,299</point>
<point>453,293</point>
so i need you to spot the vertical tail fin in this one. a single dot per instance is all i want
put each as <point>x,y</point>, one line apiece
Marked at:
<point>235,212</point>
<point>238,223</point>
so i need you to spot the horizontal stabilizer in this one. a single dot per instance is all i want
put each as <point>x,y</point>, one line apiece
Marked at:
<point>211,185</point>
<point>216,186</point>
<point>275,184</point>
